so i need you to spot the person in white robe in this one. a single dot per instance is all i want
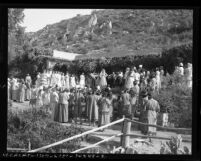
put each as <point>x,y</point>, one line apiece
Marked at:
<point>67,81</point>
<point>130,80</point>
<point>103,81</point>
<point>72,81</point>
<point>188,75</point>
<point>82,81</point>
<point>158,80</point>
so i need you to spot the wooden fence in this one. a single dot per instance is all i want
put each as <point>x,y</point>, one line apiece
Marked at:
<point>124,134</point>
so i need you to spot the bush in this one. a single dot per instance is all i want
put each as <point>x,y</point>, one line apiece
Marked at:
<point>176,99</point>
<point>37,126</point>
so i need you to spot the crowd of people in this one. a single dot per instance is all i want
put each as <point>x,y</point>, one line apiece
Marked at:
<point>71,99</point>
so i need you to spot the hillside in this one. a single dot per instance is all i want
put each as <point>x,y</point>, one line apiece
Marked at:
<point>133,32</point>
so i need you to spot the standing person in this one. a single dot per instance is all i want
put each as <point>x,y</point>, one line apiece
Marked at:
<point>62,80</point>
<point>67,81</point>
<point>46,99</point>
<point>158,80</point>
<point>72,81</point>
<point>22,88</point>
<point>104,105</point>
<point>126,74</point>
<point>14,88</point>
<point>33,97</point>
<point>162,75</point>
<point>119,79</point>
<point>92,108</point>
<point>111,99</point>
<point>153,83</point>
<point>39,100</point>
<point>82,81</point>
<point>71,104</point>
<point>130,79</point>
<point>63,107</point>
<point>28,85</point>
<point>38,80</point>
<point>103,81</point>
<point>152,107</point>
<point>54,98</point>
<point>137,77</point>
<point>126,111</point>
<point>77,108</point>
<point>188,75</point>
<point>143,113</point>
<point>133,102</point>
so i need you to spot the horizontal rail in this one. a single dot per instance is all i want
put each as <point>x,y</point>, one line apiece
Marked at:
<point>161,127</point>
<point>76,136</point>
<point>102,141</point>
<point>155,137</point>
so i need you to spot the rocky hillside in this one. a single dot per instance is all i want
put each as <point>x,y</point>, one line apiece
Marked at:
<point>117,32</point>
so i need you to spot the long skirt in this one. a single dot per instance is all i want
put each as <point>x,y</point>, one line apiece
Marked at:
<point>63,113</point>
<point>28,94</point>
<point>14,95</point>
<point>53,107</point>
<point>21,94</point>
<point>151,118</point>
<point>104,118</point>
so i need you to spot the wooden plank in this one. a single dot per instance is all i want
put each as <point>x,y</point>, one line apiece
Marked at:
<point>75,137</point>
<point>161,127</point>
<point>102,141</point>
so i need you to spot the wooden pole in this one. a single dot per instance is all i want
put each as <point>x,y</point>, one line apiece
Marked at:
<point>126,130</point>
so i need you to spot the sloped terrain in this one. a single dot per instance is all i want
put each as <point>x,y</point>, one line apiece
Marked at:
<point>133,32</point>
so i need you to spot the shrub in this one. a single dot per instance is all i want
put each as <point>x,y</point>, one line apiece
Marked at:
<point>37,126</point>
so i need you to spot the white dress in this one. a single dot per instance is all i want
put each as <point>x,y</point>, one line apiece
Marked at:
<point>130,80</point>
<point>103,81</point>
<point>189,77</point>
<point>67,82</point>
<point>158,80</point>
<point>137,77</point>
<point>82,81</point>
<point>72,82</point>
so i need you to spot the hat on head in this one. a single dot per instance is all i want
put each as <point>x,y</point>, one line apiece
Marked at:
<point>140,65</point>
<point>181,64</point>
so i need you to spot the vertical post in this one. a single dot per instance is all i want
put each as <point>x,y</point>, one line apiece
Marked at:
<point>122,129</point>
<point>126,130</point>
<point>29,145</point>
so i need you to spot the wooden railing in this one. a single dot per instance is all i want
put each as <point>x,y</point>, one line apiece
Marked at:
<point>75,137</point>
<point>125,135</point>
